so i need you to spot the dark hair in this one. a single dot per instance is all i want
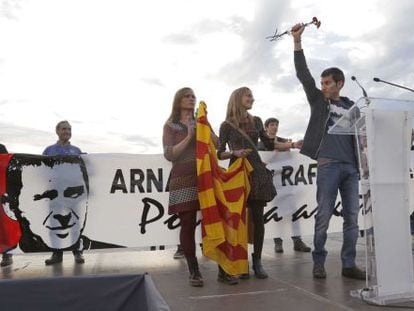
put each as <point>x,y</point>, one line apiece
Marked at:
<point>18,161</point>
<point>271,120</point>
<point>336,73</point>
<point>30,242</point>
<point>176,109</point>
<point>14,173</point>
<point>60,123</point>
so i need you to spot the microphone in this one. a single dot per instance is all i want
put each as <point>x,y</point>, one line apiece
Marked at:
<point>393,84</point>
<point>362,88</point>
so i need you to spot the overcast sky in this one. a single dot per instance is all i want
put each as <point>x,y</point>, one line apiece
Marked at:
<point>111,67</point>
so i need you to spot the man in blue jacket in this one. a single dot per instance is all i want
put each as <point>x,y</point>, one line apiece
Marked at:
<point>63,147</point>
<point>337,161</point>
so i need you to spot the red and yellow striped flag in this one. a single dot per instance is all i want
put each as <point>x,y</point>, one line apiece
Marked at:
<point>10,231</point>
<point>222,195</point>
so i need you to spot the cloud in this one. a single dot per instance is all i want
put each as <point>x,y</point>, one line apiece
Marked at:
<point>153,81</point>
<point>21,135</point>
<point>385,50</point>
<point>180,39</point>
<point>191,35</point>
<point>285,83</point>
<point>395,48</point>
<point>208,26</point>
<point>19,138</point>
<point>77,122</point>
<point>257,60</point>
<point>234,24</point>
<point>9,8</point>
<point>214,47</point>
<point>138,140</point>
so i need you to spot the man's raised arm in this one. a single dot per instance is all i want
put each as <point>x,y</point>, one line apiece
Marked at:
<point>302,71</point>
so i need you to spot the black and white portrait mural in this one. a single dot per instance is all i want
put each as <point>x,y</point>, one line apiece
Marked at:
<point>48,196</point>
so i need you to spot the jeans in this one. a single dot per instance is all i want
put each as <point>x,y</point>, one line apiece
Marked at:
<point>331,177</point>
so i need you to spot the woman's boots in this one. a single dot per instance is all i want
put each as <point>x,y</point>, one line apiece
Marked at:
<point>259,272</point>
<point>226,278</point>
<point>196,279</point>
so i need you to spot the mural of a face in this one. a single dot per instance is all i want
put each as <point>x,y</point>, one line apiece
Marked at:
<point>54,201</point>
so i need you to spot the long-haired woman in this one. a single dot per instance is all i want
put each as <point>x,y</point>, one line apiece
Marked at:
<point>241,132</point>
<point>180,148</point>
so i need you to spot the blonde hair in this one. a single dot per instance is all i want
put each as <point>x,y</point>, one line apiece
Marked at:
<point>236,113</point>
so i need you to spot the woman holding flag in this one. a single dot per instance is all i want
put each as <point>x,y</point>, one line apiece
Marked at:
<point>241,131</point>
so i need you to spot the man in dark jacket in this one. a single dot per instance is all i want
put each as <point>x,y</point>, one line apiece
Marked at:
<point>337,163</point>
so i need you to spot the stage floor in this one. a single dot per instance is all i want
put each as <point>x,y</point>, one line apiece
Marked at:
<point>290,285</point>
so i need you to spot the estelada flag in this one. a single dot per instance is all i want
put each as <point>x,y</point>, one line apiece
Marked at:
<point>223,198</point>
<point>10,231</point>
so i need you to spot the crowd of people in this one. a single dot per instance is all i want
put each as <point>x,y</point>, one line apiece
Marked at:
<point>242,135</point>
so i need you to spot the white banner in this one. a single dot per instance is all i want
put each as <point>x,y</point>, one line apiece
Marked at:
<point>133,191</point>
<point>127,204</point>
<point>292,211</point>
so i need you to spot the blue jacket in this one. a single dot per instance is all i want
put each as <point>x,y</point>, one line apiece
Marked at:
<point>58,149</point>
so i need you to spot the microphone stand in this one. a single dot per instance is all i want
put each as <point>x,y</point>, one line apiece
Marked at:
<point>367,101</point>
<point>393,84</point>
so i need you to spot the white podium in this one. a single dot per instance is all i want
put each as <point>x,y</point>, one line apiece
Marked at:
<point>383,129</point>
